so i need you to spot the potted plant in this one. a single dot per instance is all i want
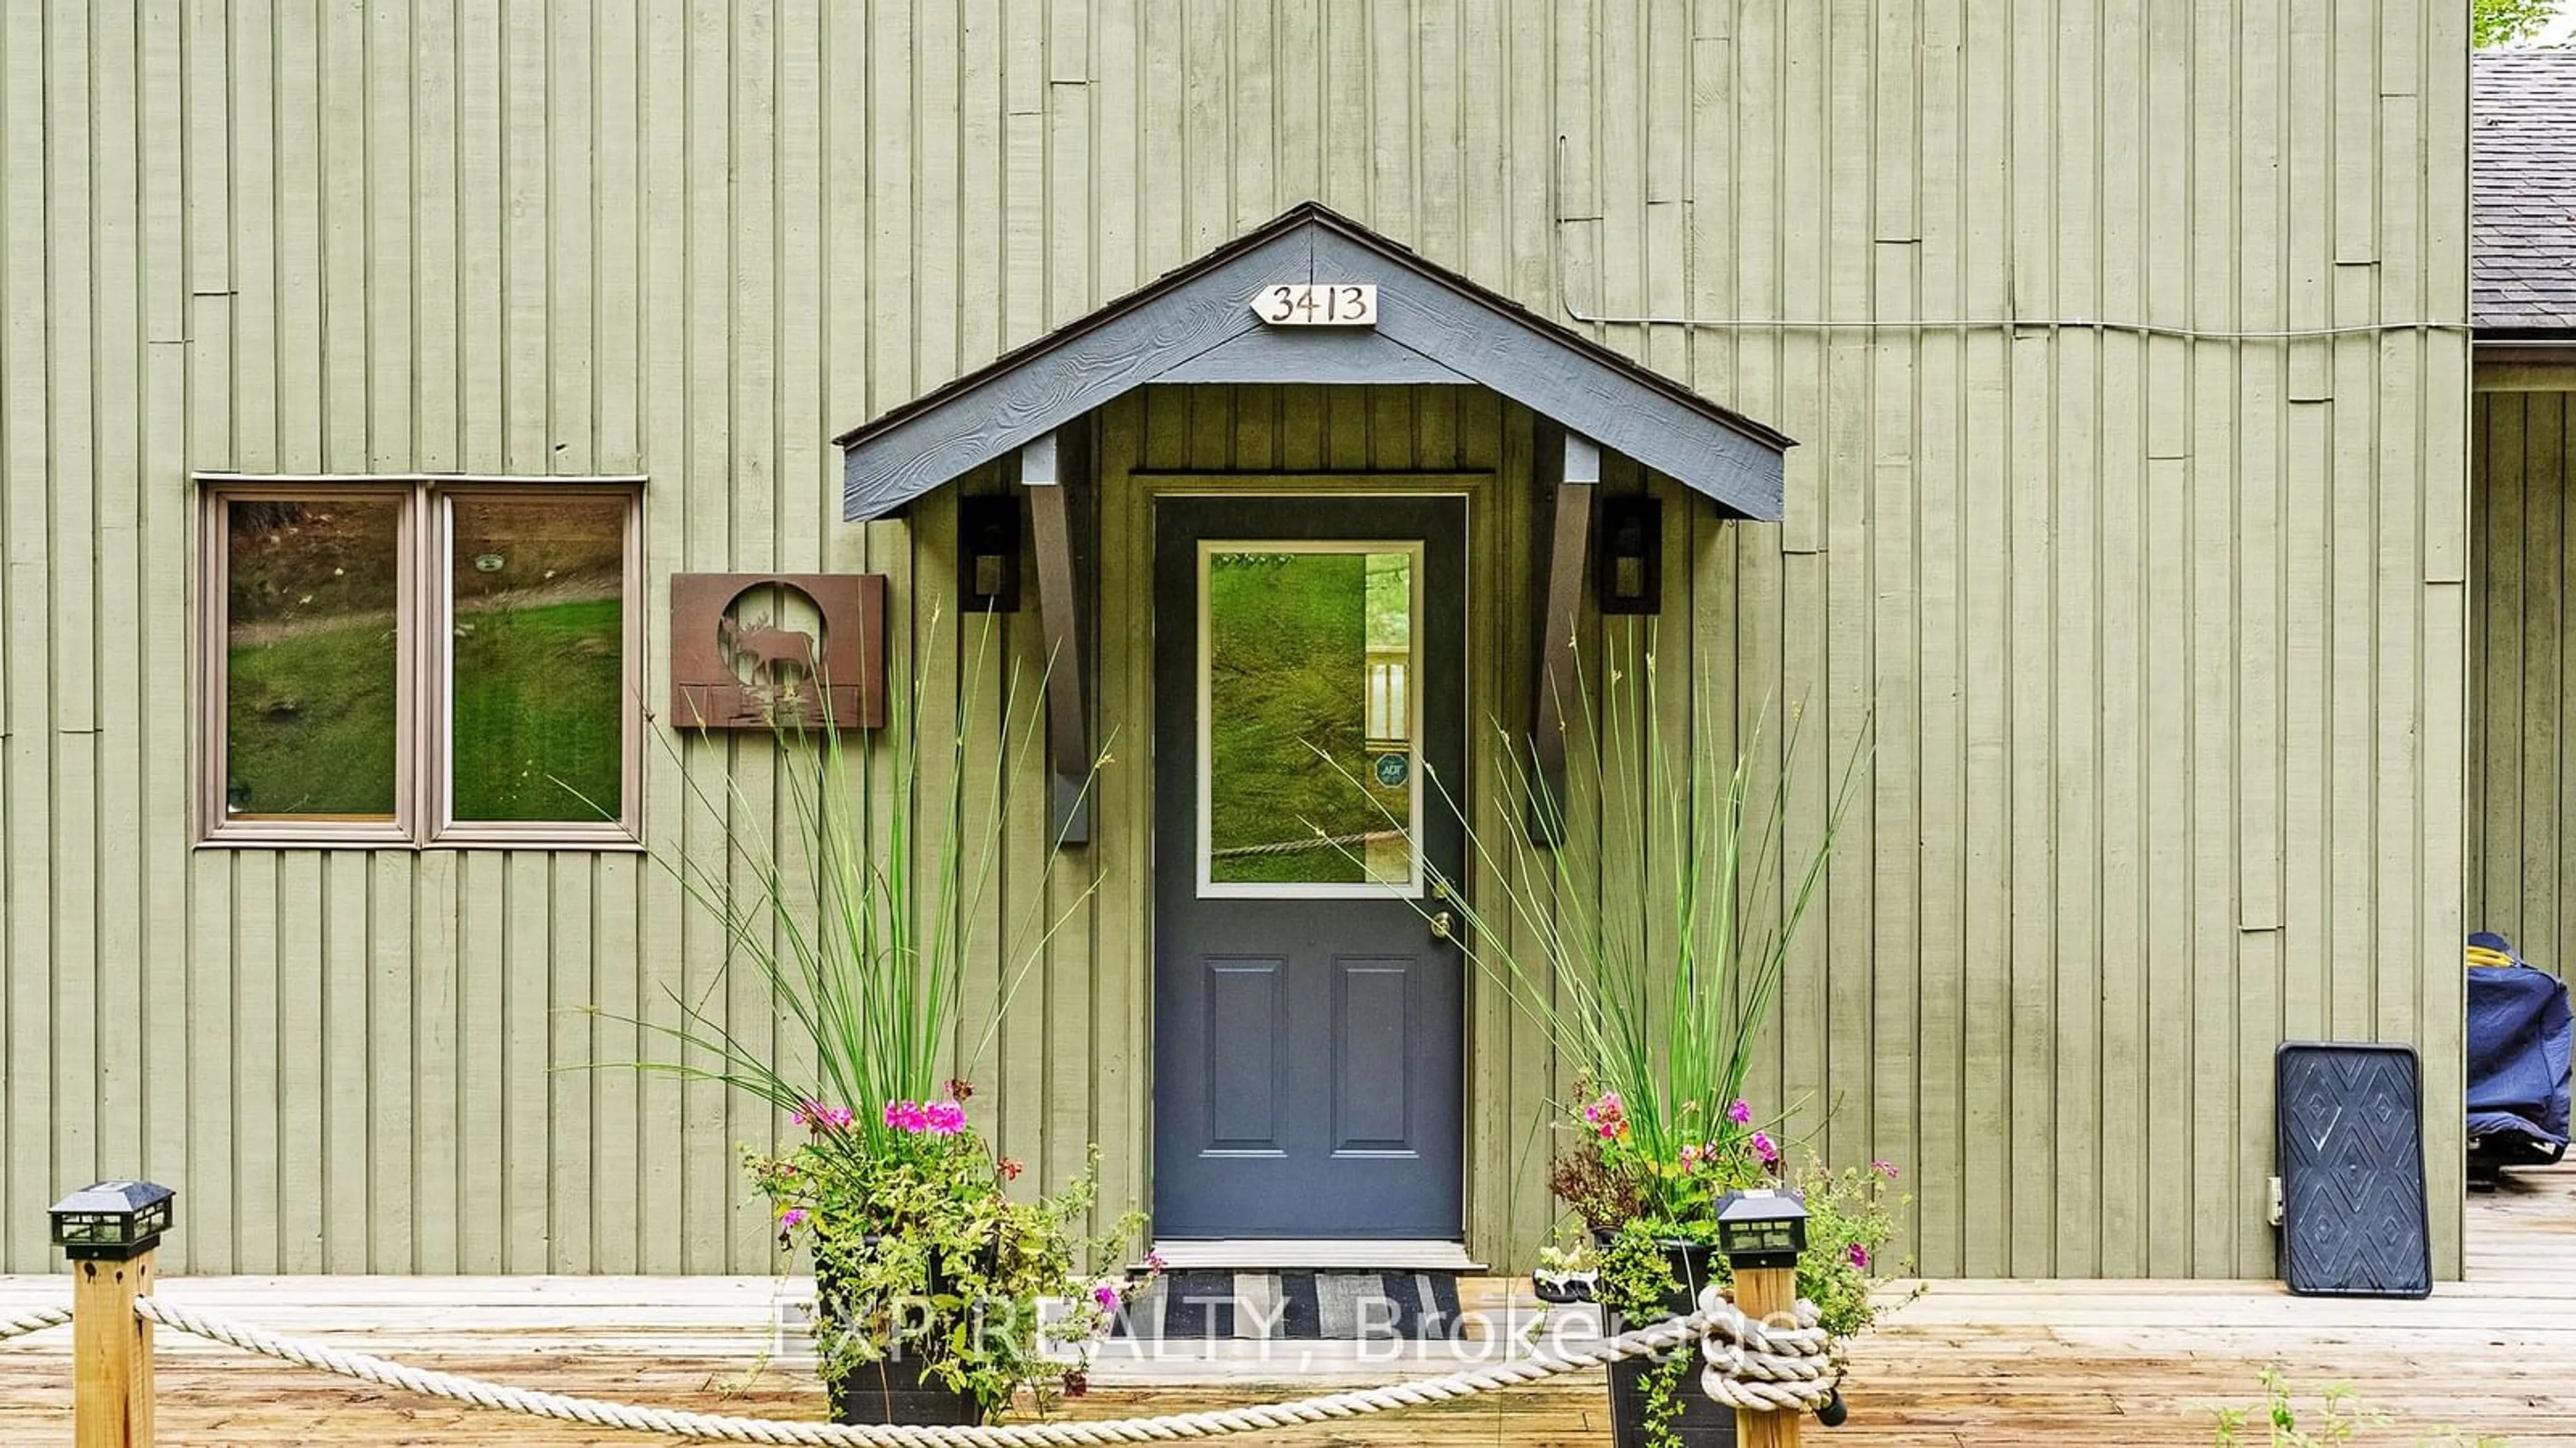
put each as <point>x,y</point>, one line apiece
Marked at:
<point>929,1275</point>
<point>1657,1004</point>
<point>931,1266</point>
<point>1653,1222</point>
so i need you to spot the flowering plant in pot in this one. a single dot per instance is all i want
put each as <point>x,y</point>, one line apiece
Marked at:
<point>1654,1222</point>
<point>1630,1199</point>
<point>1648,937</point>
<point>931,1258</point>
<point>929,1275</point>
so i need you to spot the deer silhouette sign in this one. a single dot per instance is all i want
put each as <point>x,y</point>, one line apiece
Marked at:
<point>777,655</point>
<point>761,650</point>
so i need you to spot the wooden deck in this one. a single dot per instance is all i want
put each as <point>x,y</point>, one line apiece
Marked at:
<point>1971,1364</point>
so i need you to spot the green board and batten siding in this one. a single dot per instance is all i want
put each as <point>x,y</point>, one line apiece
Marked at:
<point>2521,807</point>
<point>2168,636</point>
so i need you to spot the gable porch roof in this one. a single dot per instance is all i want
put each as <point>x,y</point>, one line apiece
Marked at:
<point>1196,324</point>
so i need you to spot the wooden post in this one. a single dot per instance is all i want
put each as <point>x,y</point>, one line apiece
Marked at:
<point>111,1354</point>
<point>1768,1295</point>
<point>1068,723</point>
<point>1554,690</point>
<point>1762,1231</point>
<point>108,1231</point>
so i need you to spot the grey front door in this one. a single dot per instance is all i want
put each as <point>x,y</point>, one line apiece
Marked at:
<point>1309,658</point>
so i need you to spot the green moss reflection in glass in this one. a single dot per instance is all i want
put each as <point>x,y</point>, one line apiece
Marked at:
<point>538,590</point>
<point>311,706</point>
<point>1298,646</point>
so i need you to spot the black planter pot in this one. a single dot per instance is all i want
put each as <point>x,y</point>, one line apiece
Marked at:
<point>1687,1262</point>
<point>1702,1423</point>
<point>891,1390</point>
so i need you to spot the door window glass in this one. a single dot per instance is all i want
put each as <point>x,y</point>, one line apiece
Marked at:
<point>1309,715</point>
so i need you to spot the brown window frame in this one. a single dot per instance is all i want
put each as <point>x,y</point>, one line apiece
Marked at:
<point>424,655</point>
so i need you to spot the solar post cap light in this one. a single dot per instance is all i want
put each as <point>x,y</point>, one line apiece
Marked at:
<point>112,1221</point>
<point>1761,1228</point>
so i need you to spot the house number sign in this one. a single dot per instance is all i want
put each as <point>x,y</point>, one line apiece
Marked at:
<point>1317,304</point>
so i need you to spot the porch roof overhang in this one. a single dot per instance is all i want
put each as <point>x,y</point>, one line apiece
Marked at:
<point>1197,324</point>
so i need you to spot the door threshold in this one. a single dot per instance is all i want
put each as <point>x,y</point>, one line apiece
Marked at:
<point>1318,1254</point>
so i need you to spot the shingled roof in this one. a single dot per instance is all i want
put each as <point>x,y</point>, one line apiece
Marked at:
<point>2523,160</point>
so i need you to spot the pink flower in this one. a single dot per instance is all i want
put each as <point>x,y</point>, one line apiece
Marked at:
<point>1859,1256</point>
<point>1607,1116</point>
<point>1105,1295</point>
<point>936,1118</point>
<point>792,1218</point>
<point>1154,1262</point>
<point>816,1117</point>
<point>1739,1112</point>
<point>1764,1148</point>
<point>1690,1156</point>
<point>1884,1168</point>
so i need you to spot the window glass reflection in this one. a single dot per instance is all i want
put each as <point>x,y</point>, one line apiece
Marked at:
<point>311,708</point>
<point>538,592</point>
<point>1310,717</point>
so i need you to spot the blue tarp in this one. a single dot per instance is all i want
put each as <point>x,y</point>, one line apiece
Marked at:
<point>2520,1032</point>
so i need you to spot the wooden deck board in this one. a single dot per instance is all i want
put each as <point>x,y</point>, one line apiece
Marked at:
<point>1972,1363</point>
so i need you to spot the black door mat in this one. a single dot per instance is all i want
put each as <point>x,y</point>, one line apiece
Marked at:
<point>2351,1157</point>
<point>1210,1305</point>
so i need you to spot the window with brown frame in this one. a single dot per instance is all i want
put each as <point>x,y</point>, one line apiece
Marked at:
<point>414,660</point>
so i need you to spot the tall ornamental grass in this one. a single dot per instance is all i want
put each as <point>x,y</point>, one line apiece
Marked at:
<point>1660,997</point>
<point>855,928</point>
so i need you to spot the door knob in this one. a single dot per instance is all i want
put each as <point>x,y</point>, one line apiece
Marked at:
<point>1440,924</point>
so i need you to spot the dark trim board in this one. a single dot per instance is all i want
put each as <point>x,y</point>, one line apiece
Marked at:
<point>1196,325</point>
<point>2524,366</point>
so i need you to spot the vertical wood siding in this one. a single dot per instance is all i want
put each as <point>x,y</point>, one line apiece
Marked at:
<point>2167,638</point>
<point>2521,807</point>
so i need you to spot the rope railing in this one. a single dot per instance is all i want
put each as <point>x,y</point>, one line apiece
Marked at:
<point>1749,1365</point>
<point>1763,1352</point>
<point>37,1321</point>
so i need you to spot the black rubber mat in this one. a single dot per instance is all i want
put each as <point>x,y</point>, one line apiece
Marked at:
<point>2351,1158</point>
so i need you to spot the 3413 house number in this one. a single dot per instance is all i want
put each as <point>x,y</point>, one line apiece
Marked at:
<point>1317,304</point>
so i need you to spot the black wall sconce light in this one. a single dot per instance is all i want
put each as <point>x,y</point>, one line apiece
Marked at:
<point>988,553</point>
<point>1628,562</point>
